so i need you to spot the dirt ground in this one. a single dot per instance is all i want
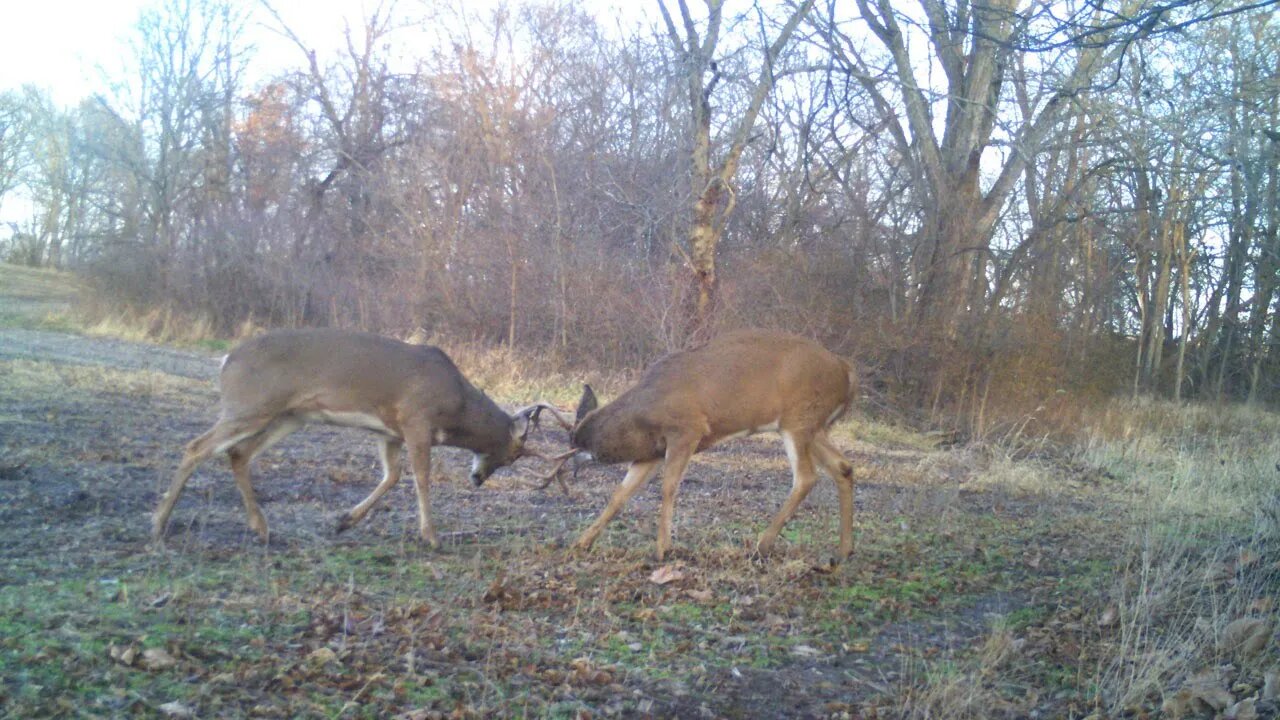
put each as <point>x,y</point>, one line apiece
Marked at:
<point>503,620</point>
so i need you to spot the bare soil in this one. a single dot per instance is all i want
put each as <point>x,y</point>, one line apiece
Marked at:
<point>503,620</point>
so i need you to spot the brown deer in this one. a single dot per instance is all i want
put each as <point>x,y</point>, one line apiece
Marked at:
<point>738,384</point>
<point>408,394</point>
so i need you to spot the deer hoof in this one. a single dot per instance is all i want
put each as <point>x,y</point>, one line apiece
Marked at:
<point>345,523</point>
<point>764,546</point>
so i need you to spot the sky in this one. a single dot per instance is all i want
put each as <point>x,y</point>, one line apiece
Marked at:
<point>64,45</point>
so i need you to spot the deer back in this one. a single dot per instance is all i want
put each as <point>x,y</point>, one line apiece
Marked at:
<point>331,373</point>
<point>736,384</point>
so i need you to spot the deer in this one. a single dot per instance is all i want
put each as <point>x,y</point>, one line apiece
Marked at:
<point>408,395</point>
<point>735,385</point>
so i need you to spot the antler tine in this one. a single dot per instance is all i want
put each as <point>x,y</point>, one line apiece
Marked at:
<point>554,475</point>
<point>535,409</point>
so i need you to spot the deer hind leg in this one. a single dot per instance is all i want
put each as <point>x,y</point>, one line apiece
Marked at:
<point>223,434</point>
<point>841,471</point>
<point>243,453</point>
<point>798,447</point>
<point>637,474</point>
<point>389,453</point>
<point>420,459</point>
<point>678,455</point>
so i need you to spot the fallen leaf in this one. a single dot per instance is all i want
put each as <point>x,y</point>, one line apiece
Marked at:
<point>1243,710</point>
<point>322,656</point>
<point>1109,616</point>
<point>666,574</point>
<point>1245,637</point>
<point>700,595</point>
<point>176,709</point>
<point>805,651</point>
<point>123,655</point>
<point>1271,684</point>
<point>1206,687</point>
<point>157,659</point>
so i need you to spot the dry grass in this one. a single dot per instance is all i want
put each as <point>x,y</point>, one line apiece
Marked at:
<point>1197,517</point>
<point>159,325</point>
<point>27,380</point>
<point>27,283</point>
<point>1201,537</point>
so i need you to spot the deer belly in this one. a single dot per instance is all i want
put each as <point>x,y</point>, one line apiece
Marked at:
<point>364,421</point>
<point>767,427</point>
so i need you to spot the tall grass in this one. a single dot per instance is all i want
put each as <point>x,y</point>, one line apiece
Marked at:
<point>1203,528</point>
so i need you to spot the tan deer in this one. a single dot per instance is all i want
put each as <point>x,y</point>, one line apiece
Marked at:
<point>738,384</point>
<point>408,394</point>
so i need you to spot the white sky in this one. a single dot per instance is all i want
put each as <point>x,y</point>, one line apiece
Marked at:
<point>61,45</point>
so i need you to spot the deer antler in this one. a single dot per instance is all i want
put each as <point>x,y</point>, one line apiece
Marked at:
<point>554,475</point>
<point>534,413</point>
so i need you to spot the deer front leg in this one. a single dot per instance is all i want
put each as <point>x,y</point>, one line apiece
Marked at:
<point>420,458</point>
<point>637,474</point>
<point>678,454</point>
<point>389,453</point>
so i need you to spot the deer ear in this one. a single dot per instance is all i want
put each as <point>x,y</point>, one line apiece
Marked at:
<point>525,421</point>
<point>586,404</point>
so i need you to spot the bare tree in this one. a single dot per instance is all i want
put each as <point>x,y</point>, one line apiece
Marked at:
<point>14,126</point>
<point>712,178</point>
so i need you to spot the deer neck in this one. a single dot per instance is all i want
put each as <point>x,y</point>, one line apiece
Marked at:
<point>483,427</point>
<point>617,433</point>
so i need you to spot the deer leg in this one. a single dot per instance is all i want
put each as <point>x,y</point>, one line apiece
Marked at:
<point>243,453</point>
<point>802,481</point>
<point>637,475</point>
<point>678,455</point>
<point>841,471</point>
<point>223,434</point>
<point>420,459</point>
<point>389,453</point>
